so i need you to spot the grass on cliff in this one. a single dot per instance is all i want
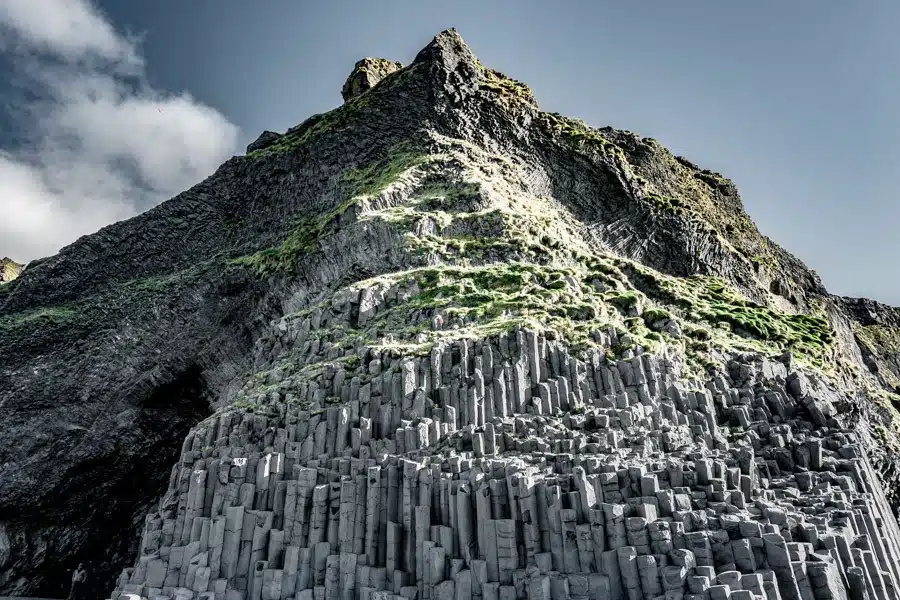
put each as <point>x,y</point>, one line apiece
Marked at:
<point>484,300</point>
<point>299,242</point>
<point>314,127</point>
<point>38,317</point>
<point>510,92</point>
<point>705,302</point>
<point>374,178</point>
<point>6,288</point>
<point>363,182</point>
<point>671,185</point>
<point>116,299</point>
<point>577,133</point>
<point>881,340</point>
<point>338,119</point>
<point>566,300</point>
<point>880,336</point>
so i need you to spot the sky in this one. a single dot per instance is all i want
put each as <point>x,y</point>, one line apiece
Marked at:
<point>108,107</point>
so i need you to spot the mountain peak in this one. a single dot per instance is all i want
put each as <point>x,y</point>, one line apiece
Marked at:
<point>435,295</point>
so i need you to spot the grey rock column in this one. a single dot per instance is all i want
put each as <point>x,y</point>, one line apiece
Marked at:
<point>631,581</point>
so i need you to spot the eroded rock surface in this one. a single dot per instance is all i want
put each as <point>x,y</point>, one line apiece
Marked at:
<point>437,343</point>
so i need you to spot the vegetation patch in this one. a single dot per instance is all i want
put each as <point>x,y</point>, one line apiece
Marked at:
<point>880,336</point>
<point>373,179</point>
<point>711,301</point>
<point>43,316</point>
<point>484,300</point>
<point>317,125</point>
<point>7,288</point>
<point>577,133</point>
<point>299,242</point>
<point>882,342</point>
<point>510,92</point>
<point>367,181</point>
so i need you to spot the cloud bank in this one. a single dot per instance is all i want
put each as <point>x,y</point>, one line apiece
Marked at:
<point>100,144</point>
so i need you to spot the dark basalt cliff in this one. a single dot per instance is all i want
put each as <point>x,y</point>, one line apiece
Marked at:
<point>114,349</point>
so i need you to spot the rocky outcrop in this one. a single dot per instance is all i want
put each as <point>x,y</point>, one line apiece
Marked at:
<point>366,75</point>
<point>9,270</point>
<point>876,328</point>
<point>265,139</point>
<point>439,343</point>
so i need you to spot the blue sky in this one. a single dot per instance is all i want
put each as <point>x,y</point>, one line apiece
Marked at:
<point>108,107</point>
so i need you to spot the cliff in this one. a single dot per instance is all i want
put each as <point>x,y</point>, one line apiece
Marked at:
<point>438,343</point>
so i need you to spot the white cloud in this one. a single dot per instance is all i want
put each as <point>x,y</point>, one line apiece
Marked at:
<point>70,29</point>
<point>100,148</point>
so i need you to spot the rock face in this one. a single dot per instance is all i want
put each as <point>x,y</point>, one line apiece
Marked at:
<point>438,344</point>
<point>366,75</point>
<point>9,269</point>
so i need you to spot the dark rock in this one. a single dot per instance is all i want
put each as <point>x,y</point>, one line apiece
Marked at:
<point>366,75</point>
<point>265,139</point>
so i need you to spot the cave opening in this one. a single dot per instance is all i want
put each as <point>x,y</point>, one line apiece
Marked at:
<point>105,502</point>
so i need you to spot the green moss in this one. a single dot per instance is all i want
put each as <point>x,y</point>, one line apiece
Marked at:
<point>880,336</point>
<point>509,91</point>
<point>7,288</point>
<point>653,315</point>
<point>373,179</point>
<point>483,300</point>
<point>49,315</point>
<point>623,300</point>
<point>764,260</point>
<point>314,127</point>
<point>577,133</point>
<point>668,204</point>
<point>713,301</point>
<point>283,257</point>
<point>302,240</point>
<point>881,341</point>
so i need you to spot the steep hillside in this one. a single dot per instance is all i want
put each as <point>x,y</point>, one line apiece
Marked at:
<point>439,343</point>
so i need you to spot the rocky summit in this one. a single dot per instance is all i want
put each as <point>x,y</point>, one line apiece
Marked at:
<point>438,344</point>
<point>9,270</point>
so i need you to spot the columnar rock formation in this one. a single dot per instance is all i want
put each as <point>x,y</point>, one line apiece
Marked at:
<point>509,468</point>
<point>438,344</point>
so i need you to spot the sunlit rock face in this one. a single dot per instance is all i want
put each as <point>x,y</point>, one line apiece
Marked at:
<point>9,269</point>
